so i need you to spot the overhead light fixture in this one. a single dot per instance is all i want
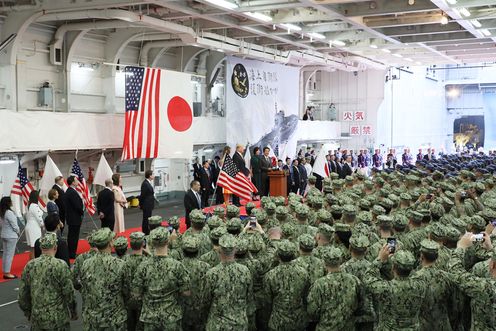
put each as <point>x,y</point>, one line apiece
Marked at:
<point>291,27</point>
<point>385,50</point>
<point>464,11</point>
<point>260,16</point>
<point>476,23</point>
<point>485,32</point>
<point>444,20</point>
<point>220,50</point>
<point>316,35</point>
<point>397,55</point>
<point>338,43</point>
<point>373,46</point>
<point>453,93</point>
<point>452,2</point>
<point>223,4</point>
<point>411,2</point>
<point>408,59</point>
<point>418,63</point>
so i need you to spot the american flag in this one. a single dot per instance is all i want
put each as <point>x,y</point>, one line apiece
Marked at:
<point>234,180</point>
<point>82,188</point>
<point>141,130</point>
<point>23,188</point>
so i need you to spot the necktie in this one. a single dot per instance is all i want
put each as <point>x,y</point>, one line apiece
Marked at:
<point>198,199</point>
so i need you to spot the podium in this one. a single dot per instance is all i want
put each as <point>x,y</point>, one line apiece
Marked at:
<point>278,183</point>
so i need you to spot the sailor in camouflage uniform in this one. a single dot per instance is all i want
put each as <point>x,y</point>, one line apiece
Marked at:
<point>46,295</point>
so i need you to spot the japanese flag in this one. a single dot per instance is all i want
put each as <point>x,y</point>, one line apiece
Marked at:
<point>321,167</point>
<point>50,172</point>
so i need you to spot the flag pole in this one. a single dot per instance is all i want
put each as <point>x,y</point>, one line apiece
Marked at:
<point>215,188</point>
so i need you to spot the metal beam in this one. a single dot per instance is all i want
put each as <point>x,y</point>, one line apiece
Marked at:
<point>382,7</point>
<point>437,37</point>
<point>403,20</point>
<point>422,29</point>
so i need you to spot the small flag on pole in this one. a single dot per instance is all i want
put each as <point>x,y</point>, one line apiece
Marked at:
<point>82,188</point>
<point>23,188</point>
<point>234,180</point>
<point>103,172</point>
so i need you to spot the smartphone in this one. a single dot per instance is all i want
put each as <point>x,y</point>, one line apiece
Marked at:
<point>493,223</point>
<point>170,228</point>
<point>463,194</point>
<point>391,242</point>
<point>478,237</point>
<point>144,243</point>
<point>253,222</point>
<point>428,196</point>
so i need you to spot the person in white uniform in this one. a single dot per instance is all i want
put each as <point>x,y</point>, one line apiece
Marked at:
<point>34,221</point>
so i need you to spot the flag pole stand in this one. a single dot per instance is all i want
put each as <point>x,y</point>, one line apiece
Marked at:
<point>92,220</point>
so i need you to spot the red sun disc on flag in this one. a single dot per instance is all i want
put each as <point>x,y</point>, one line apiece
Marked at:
<point>179,114</point>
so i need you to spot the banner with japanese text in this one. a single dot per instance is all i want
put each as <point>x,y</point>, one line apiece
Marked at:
<point>262,105</point>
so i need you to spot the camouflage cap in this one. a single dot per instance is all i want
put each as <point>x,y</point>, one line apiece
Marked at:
<point>400,221</point>
<point>477,222</point>
<point>452,234</point>
<point>349,210</point>
<point>227,243</point>
<point>480,187</point>
<point>489,202</point>
<point>415,216</point>
<point>155,220</point>
<point>336,209</point>
<point>384,220</point>
<point>103,237</point>
<point>288,230</point>
<point>250,206</point>
<point>241,246</point>
<point>214,222</point>
<point>337,184</point>
<point>368,184</point>
<point>302,210</point>
<point>174,221</point>
<point>48,241</point>
<point>91,242</point>
<point>378,210</point>
<point>137,238</point>
<point>232,211</point>
<point>359,243</point>
<point>331,199</point>
<point>260,215</point>
<point>403,259</point>
<point>234,224</point>
<point>333,176</point>
<point>312,179</point>
<point>429,246</point>
<point>324,216</point>
<point>379,180</point>
<point>281,210</point>
<point>364,217</point>
<point>364,204</point>
<point>270,206</point>
<point>413,179</point>
<point>279,201</point>
<point>197,217</point>
<point>394,198</point>
<point>256,243</point>
<point>159,236</point>
<point>325,230</point>
<point>488,214</point>
<point>219,211</point>
<point>342,227</point>
<point>318,201</point>
<point>306,241</point>
<point>286,248</point>
<point>348,179</point>
<point>332,256</point>
<point>447,201</point>
<point>386,203</point>
<point>437,210</point>
<point>120,242</point>
<point>217,233</point>
<point>190,244</point>
<point>437,230</point>
<point>264,201</point>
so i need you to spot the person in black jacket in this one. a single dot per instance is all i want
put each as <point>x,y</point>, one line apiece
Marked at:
<point>105,205</point>
<point>205,183</point>
<point>59,186</point>
<point>347,169</point>
<point>147,200</point>
<point>73,215</point>
<point>215,166</point>
<point>239,161</point>
<point>192,200</point>
<point>266,166</point>
<point>53,224</point>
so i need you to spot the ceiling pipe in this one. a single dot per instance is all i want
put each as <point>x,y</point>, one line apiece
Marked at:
<point>367,62</point>
<point>157,44</point>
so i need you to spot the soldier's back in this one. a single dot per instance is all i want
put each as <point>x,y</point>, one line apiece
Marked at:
<point>228,291</point>
<point>78,264</point>
<point>194,315</point>
<point>102,284</point>
<point>314,266</point>
<point>325,310</point>
<point>47,290</point>
<point>287,285</point>
<point>161,280</point>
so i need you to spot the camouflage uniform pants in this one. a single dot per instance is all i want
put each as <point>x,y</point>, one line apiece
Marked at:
<point>60,328</point>
<point>163,326</point>
<point>96,327</point>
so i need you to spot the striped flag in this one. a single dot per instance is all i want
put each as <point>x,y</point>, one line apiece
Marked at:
<point>141,129</point>
<point>321,166</point>
<point>82,188</point>
<point>23,187</point>
<point>234,180</point>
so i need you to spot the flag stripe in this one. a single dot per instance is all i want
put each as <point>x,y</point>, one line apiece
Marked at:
<point>141,112</point>
<point>149,122</point>
<point>157,112</point>
<point>125,143</point>
<point>232,179</point>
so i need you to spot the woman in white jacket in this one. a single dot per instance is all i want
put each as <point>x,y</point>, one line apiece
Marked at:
<point>34,222</point>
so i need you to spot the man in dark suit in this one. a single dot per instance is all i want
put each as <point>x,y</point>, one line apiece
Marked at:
<point>105,205</point>
<point>59,187</point>
<point>239,161</point>
<point>289,172</point>
<point>147,200</point>
<point>347,169</point>
<point>265,165</point>
<point>192,200</point>
<point>196,170</point>
<point>73,215</point>
<point>53,224</point>
<point>296,177</point>
<point>205,183</point>
<point>303,176</point>
<point>215,166</point>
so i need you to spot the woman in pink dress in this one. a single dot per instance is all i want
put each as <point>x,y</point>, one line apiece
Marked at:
<point>120,203</point>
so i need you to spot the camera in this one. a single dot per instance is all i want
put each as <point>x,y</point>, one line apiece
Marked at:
<point>478,237</point>
<point>391,242</point>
